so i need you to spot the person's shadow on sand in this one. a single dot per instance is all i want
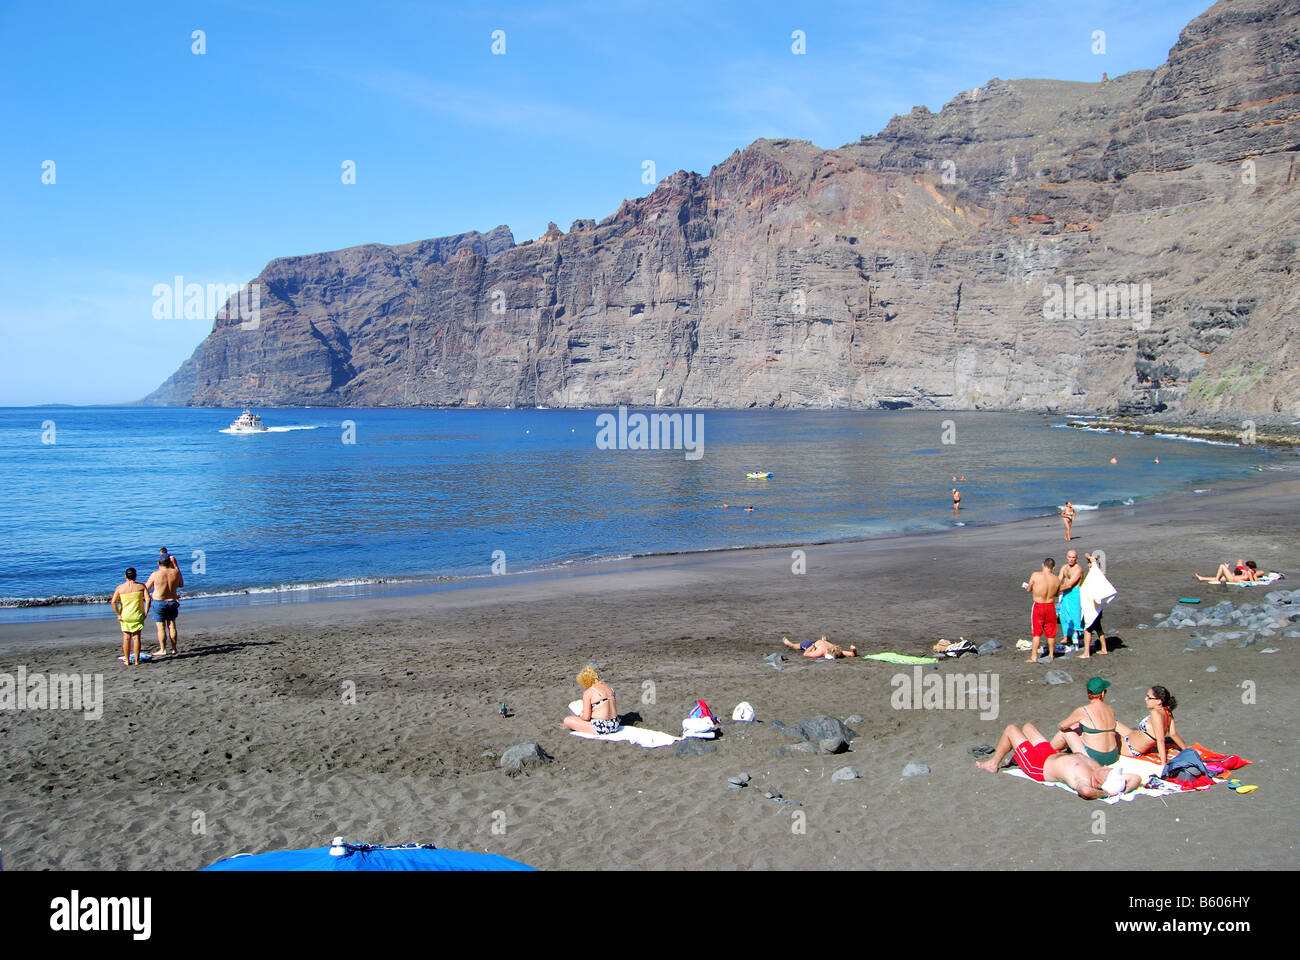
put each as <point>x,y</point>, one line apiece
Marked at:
<point>1113,643</point>
<point>216,649</point>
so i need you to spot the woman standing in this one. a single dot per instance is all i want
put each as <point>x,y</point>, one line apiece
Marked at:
<point>1067,514</point>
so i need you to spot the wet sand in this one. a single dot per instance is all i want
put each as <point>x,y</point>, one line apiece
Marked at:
<point>248,741</point>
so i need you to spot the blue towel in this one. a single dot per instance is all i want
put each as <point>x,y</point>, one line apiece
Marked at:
<point>1069,613</point>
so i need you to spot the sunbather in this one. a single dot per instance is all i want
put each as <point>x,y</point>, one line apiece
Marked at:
<point>1092,727</point>
<point>1244,571</point>
<point>1035,756</point>
<point>1156,730</point>
<point>599,709</point>
<point>817,649</point>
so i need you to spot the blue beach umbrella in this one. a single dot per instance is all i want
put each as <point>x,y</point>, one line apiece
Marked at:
<point>365,856</point>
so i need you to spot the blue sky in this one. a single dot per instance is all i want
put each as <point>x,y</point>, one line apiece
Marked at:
<point>208,166</point>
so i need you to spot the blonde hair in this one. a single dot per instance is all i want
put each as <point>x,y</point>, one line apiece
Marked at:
<point>588,676</point>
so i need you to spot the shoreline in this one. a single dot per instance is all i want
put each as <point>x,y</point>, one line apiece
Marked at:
<point>1267,434</point>
<point>16,612</point>
<point>378,719</point>
<point>294,604</point>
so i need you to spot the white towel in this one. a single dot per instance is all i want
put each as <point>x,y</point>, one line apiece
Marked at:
<point>638,735</point>
<point>1143,768</point>
<point>1095,592</point>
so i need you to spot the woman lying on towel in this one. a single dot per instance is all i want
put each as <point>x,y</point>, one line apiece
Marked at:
<point>1244,571</point>
<point>1156,730</point>
<point>599,710</point>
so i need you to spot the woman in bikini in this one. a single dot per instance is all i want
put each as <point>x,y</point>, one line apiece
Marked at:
<point>1091,729</point>
<point>1068,514</point>
<point>599,710</point>
<point>1156,730</point>
<point>1244,572</point>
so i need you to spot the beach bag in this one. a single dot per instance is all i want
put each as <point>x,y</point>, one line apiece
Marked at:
<point>700,722</point>
<point>1186,765</point>
<point>958,648</point>
<point>744,713</point>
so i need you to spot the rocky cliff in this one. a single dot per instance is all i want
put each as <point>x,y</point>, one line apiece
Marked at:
<point>1124,246</point>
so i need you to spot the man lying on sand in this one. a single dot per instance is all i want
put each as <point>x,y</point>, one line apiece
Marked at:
<point>1244,572</point>
<point>817,649</point>
<point>1034,755</point>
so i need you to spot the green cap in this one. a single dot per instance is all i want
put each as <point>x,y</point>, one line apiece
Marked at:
<point>1097,685</point>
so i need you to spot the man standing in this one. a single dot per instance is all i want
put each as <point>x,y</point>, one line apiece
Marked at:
<point>1045,586</point>
<point>1101,592</point>
<point>1068,612</point>
<point>165,582</point>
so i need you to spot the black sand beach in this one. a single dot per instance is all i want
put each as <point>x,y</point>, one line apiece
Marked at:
<point>248,742</point>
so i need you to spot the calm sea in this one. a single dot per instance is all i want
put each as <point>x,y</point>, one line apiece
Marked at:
<point>297,512</point>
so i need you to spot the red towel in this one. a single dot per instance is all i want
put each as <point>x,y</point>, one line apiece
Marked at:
<point>1200,783</point>
<point>1232,762</point>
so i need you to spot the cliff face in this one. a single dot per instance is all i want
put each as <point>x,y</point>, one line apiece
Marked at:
<point>914,268</point>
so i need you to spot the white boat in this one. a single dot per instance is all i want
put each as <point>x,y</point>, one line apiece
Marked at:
<point>248,422</point>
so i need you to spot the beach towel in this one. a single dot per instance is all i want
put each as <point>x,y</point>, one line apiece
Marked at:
<point>1227,761</point>
<point>1069,614</point>
<point>898,658</point>
<point>1094,593</point>
<point>1142,768</point>
<point>1264,580</point>
<point>638,735</point>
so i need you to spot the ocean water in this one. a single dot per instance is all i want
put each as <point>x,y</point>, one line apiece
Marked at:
<point>294,512</point>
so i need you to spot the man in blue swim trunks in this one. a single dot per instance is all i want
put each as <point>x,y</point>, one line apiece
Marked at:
<point>821,649</point>
<point>165,582</point>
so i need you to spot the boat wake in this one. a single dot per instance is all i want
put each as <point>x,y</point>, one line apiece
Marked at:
<point>246,433</point>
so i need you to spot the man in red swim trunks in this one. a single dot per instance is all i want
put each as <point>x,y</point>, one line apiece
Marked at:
<point>1045,585</point>
<point>1034,755</point>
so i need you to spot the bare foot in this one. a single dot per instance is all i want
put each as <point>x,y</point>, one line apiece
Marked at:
<point>988,765</point>
<point>1032,660</point>
<point>1102,652</point>
<point>1085,656</point>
